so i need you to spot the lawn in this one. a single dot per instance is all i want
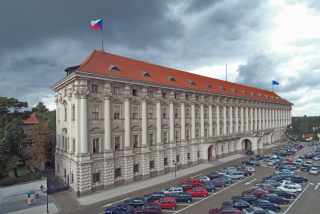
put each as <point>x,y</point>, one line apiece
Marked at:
<point>23,174</point>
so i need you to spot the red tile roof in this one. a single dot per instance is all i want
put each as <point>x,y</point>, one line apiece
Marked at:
<point>98,62</point>
<point>307,135</point>
<point>31,120</point>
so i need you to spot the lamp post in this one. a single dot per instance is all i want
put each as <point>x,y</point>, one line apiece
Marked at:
<point>41,188</point>
<point>175,162</point>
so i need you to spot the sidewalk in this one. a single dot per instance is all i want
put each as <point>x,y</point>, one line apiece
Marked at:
<point>39,207</point>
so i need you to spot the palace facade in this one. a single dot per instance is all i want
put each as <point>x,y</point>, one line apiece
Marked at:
<point>121,120</point>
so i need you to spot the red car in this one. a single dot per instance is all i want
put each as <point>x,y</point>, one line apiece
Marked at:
<point>246,173</point>
<point>192,181</point>
<point>186,186</point>
<point>198,192</point>
<point>167,203</point>
<point>225,209</point>
<point>255,191</point>
<point>149,208</point>
<point>288,160</point>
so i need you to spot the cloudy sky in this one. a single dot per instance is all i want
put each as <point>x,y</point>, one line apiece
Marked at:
<point>260,40</point>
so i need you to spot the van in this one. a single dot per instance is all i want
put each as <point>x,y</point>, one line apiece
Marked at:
<point>236,175</point>
<point>172,190</point>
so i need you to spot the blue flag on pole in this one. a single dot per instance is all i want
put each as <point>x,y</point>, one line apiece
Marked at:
<point>274,82</point>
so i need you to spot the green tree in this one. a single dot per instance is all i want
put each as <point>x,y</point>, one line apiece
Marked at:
<point>304,125</point>
<point>40,110</point>
<point>289,132</point>
<point>315,137</point>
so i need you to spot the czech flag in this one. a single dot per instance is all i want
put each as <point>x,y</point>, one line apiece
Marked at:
<point>96,24</point>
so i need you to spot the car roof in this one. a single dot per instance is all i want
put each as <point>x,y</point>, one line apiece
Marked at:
<point>262,201</point>
<point>271,195</point>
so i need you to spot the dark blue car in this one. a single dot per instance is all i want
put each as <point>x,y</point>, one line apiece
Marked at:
<point>182,197</point>
<point>298,179</point>
<point>273,177</point>
<point>136,202</point>
<point>120,208</point>
<point>209,187</point>
<point>273,198</point>
<point>239,204</point>
<point>264,204</point>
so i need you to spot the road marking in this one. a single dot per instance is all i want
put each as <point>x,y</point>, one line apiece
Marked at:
<point>250,181</point>
<point>296,199</point>
<point>316,186</point>
<point>310,183</point>
<point>115,202</point>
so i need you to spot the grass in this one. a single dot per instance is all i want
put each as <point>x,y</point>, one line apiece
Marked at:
<point>23,175</point>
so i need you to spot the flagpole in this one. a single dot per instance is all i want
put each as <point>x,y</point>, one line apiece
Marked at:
<point>272,84</point>
<point>102,34</point>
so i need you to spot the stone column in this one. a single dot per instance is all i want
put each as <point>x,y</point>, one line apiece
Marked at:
<point>251,118</point>
<point>224,118</point>
<point>273,118</point>
<point>107,117</point>
<point>202,116</point>
<point>56,100</point>
<point>171,100</point>
<point>144,97</point>
<point>61,119</point>
<point>183,117</point>
<point>281,117</point>
<point>84,91</point>
<point>237,116</point>
<point>218,116</point>
<point>242,116</point>
<point>260,118</point>
<point>127,131</point>
<point>69,120</point>
<point>263,118</point>
<point>193,115</point>
<point>231,116</point>
<point>256,118</point>
<point>210,117</point>
<point>77,118</point>
<point>159,98</point>
<point>247,117</point>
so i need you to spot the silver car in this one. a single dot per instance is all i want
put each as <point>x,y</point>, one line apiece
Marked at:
<point>316,158</point>
<point>299,161</point>
<point>251,210</point>
<point>272,163</point>
<point>314,171</point>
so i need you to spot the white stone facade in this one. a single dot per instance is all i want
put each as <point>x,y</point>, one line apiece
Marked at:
<point>125,131</point>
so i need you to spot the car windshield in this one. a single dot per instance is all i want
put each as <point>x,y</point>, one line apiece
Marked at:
<point>128,207</point>
<point>305,165</point>
<point>219,209</point>
<point>160,200</point>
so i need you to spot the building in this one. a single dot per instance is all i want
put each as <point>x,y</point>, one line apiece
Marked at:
<point>120,120</point>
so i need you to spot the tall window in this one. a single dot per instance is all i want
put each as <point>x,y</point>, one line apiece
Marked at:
<point>117,112</point>
<point>227,113</point>
<point>197,113</point>
<point>213,131</point>
<point>164,113</point>
<point>65,114</point>
<point>150,139</point>
<point>165,137</point>
<point>115,90</point>
<point>73,112</point>
<point>95,112</point>
<point>150,93</point>
<point>187,113</point>
<point>177,136</point>
<point>197,134</point>
<point>188,156</point>
<point>220,131</point>
<point>227,130</point>
<point>176,113</point>
<point>96,177</point>
<point>95,146</point>
<point>176,96</point>
<point>135,112</point>
<point>212,113</point>
<point>150,112</point>
<point>136,168</point>
<point>220,112</point>
<point>188,135</point>
<point>94,88</point>
<point>134,92</point>
<point>117,172</point>
<point>164,95</point>
<point>198,154</point>
<point>151,164</point>
<point>196,98</point>
<point>135,141</point>
<point>74,145</point>
<point>178,158</point>
<point>205,132</point>
<point>117,143</point>
<point>165,161</point>
<point>205,113</point>
<point>187,97</point>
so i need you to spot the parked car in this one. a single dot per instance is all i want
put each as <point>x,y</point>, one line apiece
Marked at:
<point>154,196</point>
<point>254,163</point>
<point>309,155</point>
<point>172,190</point>
<point>218,183</point>
<point>239,167</point>
<point>283,167</point>
<point>259,157</point>
<point>274,198</point>
<point>247,173</point>
<point>186,186</point>
<point>273,177</point>
<point>230,169</point>
<point>310,163</point>
<point>310,144</point>
<point>278,159</point>
<point>225,209</point>
<point>290,188</point>
<point>297,179</point>
<point>305,167</point>
<point>314,171</point>
<point>251,169</point>
<point>209,187</point>
<point>264,204</point>
<point>283,170</point>
<point>249,152</point>
<point>226,179</point>
<point>282,193</point>
<point>294,166</point>
<point>204,179</point>
<point>123,208</point>
<point>289,183</point>
<point>272,163</point>
<point>192,181</point>
<point>223,172</point>
<point>236,175</point>
<point>214,175</point>
<point>198,192</point>
<point>167,203</point>
<point>272,182</point>
<point>316,158</point>
<point>239,204</point>
<point>257,210</point>
<point>255,191</point>
<point>136,202</point>
<point>149,208</point>
<point>183,197</point>
<point>285,175</point>
<point>288,160</point>
<point>266,187</point>
<point>246,197</point>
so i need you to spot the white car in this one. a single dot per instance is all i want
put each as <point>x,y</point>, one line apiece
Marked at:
<point>290,188</point>
<point>289,183</point>
<point>299,161</point>
<point>316,158</point>
<point>251,169</point>
<point>223,172</point>
<point>204,179</point>
<point>281,171</point>
<point>314,171</point>
<point>230,169</point>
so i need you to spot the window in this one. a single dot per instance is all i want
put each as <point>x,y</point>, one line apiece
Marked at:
<point>150,139</point>
<point>176,96</point>
<point>165,161</point>
<point>222,88</point>
<point>95,145</point>
<point>188,135</point>
<point>252,93</point>
<point>266,96</point>
<point>65,114</point>
<point>94,88</point>
<point>135,141</point>
<point>164,95</point>
<point>165,137</point>
<point>72,178</point>
<point>260,95</point>
<point>187,97</point>
<point>272,97</point>
<point>65,92</point>
<point>151,164</point>
<point>197,133</point>
<point>205,132</point>
<point>150,93</point>
<point>115,90</point>
<point>178,158</point>
<point>177,136</point>
<point>196,98</point>
<point>244,92</point>
<point>197,113</point>
<point>227,130</point>
<point>220,112</point>
<point>164,113</point>
<point>95,112</point>
<point>234,90</point>
<point>191,83</point>
<point>58,168</point>
<point>73,112</point>
<point>176,113</point>
<point>62,142</point>
<point>205,113</point>
<point>212,113</point>
<point>134,92</point>
<point>187,113</point>
<point>114,68</point>
<point>198,154</point>
<point>117,143</point>
<point>213,131</point>
<point>208,86</point>
<point>136,168</point>
<point>65,173</point>
<point>74,145</point>
<point>277,98</point>
<point>117,172</point>
<point>117,112</point>
<point>96,177</point>
<point>171,79</point>
<point>150,113</point>
<point>135,112</point>
<point>145,74</point>
<point>188,156</point>
<point>227,113</point>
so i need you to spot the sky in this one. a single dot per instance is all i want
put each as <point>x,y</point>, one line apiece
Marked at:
<point>259,40</point>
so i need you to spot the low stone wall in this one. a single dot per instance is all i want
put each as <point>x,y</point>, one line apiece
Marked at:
<point>18,192</point>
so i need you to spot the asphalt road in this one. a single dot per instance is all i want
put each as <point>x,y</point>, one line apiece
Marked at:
<point>306,202</point>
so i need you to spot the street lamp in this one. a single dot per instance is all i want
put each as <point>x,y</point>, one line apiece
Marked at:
<point>42,188</point>
<point>175,162</point>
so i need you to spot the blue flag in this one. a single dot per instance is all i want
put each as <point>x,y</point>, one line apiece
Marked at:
<point>274,82</point>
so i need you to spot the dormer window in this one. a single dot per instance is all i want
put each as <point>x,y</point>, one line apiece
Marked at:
<point>252,93</point>
<point>234,90</point>
<point>260,95</point>
<point>266,96</point>
<point>277,98</point>
<point>282,98</point>
<point>272,97</point>
<point>208,86</point>
<point>171,79</point>
<point>244,92</point>
<point>145,74</point>
<point>222,88</point>
<point>191,83</point>
<point>114,68</point>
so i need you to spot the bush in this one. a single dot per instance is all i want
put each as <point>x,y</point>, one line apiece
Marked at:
<point>8,181</point>
<point>36,177</point>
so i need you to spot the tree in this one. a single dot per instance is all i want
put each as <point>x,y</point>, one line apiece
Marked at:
<point>304,126</point>
<point>315,137</point>
<point>289,132</point>
<point>40,110</point>
<point>39,135</point>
